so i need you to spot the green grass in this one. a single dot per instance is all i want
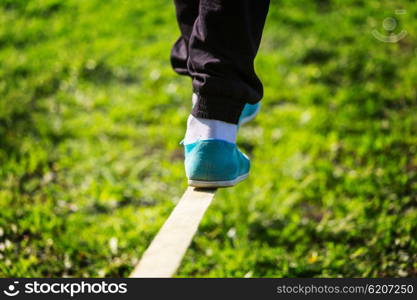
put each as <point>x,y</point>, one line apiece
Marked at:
<point>91,115</point>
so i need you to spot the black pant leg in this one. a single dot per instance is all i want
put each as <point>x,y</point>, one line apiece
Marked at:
<point>222,48</point>
<point>187,12</point>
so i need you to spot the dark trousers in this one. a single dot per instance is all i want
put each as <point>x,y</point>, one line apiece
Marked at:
<point>217,47</point>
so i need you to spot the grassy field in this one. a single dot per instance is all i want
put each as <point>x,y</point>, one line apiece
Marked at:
<point>91,115</point>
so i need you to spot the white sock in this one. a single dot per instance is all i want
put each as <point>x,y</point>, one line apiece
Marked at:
<point>204,129</point>
<point>194,99</point>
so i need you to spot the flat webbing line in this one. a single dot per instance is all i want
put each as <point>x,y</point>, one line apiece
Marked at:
<point>164,255</point>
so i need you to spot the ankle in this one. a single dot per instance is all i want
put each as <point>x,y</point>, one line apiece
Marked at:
<point>205,129</point>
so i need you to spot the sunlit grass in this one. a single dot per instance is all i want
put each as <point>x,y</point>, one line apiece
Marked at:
<point>91,115</point>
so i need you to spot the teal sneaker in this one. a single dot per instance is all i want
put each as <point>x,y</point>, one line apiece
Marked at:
<point>215,163</point>
<point>249,112</point>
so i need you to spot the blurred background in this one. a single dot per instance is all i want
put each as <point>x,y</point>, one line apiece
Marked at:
<point>91,116</point>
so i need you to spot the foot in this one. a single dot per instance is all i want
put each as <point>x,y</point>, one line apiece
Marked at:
<point>249,113</point>
<point>215,163</point>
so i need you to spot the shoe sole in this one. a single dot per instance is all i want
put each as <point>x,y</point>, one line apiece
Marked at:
<point>251,117</point>
<point>216,184</point>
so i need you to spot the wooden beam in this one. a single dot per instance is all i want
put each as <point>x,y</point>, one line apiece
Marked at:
<point>164,255</point>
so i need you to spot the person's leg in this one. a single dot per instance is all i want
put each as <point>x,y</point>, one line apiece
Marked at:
<point>222,48</point>
<point>187,13</point>
<point>218,53</point>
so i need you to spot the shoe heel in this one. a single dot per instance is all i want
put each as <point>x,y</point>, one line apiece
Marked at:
<point>210,161</point>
